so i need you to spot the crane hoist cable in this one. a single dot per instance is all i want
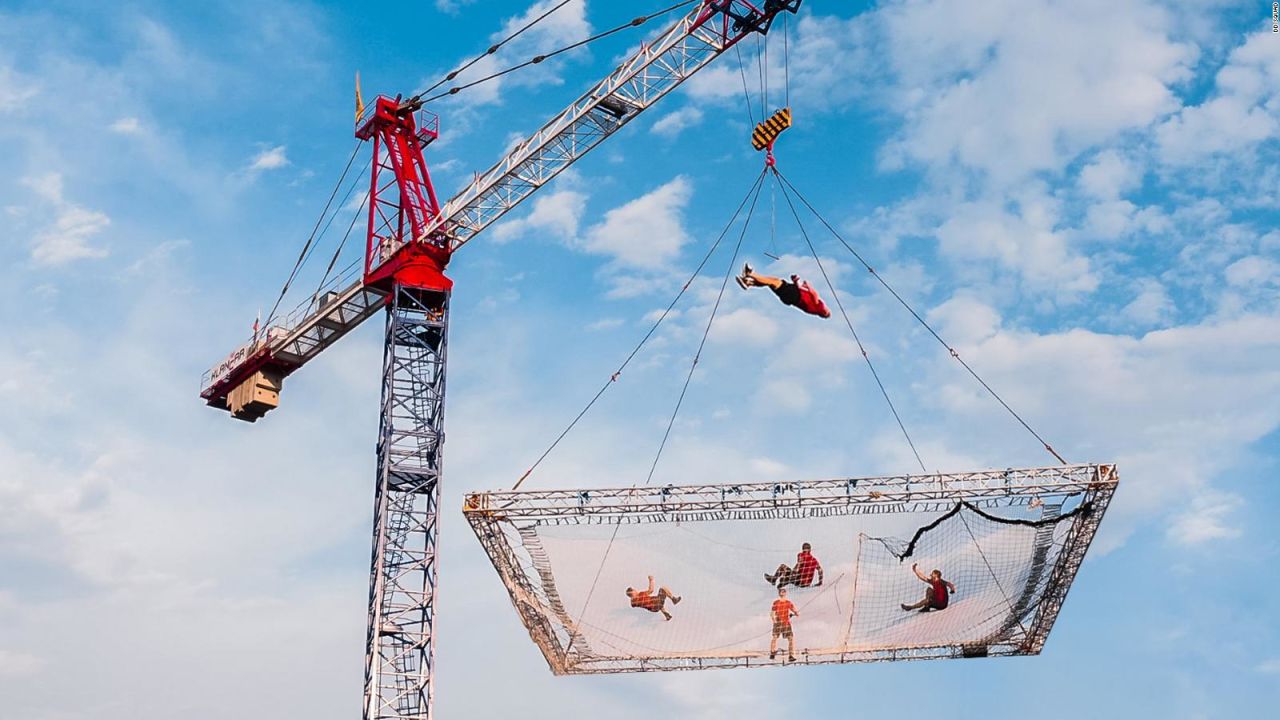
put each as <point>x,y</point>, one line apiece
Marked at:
<point>950,350</point>
<point>536,59</point>
<point>652,329</point>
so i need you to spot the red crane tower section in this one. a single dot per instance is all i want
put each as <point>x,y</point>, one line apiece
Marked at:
<point>402,202</point>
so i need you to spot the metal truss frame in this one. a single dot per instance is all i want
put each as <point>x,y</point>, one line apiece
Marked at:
<point>495,516</point>
<point>400,641</point>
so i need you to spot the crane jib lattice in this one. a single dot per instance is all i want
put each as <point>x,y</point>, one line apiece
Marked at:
<point>1010,541</point>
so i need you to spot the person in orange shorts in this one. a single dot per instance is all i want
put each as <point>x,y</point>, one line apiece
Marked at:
<point>781,613</point>
<point>647,600</point>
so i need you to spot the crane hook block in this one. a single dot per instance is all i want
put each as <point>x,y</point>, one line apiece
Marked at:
<point>769,130</point>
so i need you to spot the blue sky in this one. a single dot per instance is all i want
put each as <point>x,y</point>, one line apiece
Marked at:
<point>1081,196</point>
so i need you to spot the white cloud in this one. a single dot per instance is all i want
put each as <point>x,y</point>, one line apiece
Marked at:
<point>126,126</point>
<point>1010,88</point>
<point>272,158</point>
<point>452,7</point>
<point>1207,518</point>
<point>15,90</point>
<point>605,324</point>
<point>1269,667</point>
<point>67,238</point>
<point>744,326</point>
<point>1253,270</point>
<point>647,232</point>
<point>673,123</point>
<point>965,320</point>
<point>566,25</point>
<point>17,663</point>
<point>1109,176</point>
<point>1243,111</point>
<point>557,213</point>
<point>1152,305</point>
<point>1027,239</point>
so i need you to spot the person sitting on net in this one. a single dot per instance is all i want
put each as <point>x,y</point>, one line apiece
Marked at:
<point>802,574</point>
<point>645,599</point>
<point>936,595</point>
<point>796,293</point>
<point>781,614</point>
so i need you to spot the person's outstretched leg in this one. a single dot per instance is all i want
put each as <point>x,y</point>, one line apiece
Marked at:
<point>782,572</point>
<point>923,604</point>
<point>757,280</point>
<point>666,593</point>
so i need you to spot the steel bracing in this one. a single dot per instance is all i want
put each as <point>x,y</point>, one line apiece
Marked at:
<point>400,642</point>
<point>503,522</point>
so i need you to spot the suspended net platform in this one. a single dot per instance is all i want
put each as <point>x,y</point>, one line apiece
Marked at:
<point>1009,541</point>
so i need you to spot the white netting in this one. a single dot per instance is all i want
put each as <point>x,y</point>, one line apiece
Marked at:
<point>569,579</point>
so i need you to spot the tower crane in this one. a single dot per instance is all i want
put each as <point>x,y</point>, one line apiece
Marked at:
<point>410,240</point>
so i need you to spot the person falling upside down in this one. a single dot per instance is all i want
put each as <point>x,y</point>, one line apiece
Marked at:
<point>781,613</point>
<point>801,575</point>
<point>936,595</point>
<point>646,600</point>
<point>796,292</point>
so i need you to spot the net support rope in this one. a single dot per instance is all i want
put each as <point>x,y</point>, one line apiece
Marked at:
<point>647,336</point>
<point>849,323</point>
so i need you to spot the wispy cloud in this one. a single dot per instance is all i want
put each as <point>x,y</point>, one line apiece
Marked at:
<point>272,158</point>
<point>67,238</point>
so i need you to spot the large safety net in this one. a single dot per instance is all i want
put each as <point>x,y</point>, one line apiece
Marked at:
<point>1009,561</point>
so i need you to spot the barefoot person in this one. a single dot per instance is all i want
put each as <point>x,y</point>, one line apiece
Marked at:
<point>796,293</point>
<point>936,596</point>
<point>646,600</point>
<point>781,613</point>
<point>801,574</point>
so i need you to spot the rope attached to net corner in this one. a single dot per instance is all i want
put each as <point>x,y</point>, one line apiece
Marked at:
<point>951,350</point>
<point>836,296</point>
<point>652,329</point>
<point>536,59</point>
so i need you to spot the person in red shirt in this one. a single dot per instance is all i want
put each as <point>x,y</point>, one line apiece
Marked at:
<point>796,293</point>
<point>781,614</point>
<point>646,600</point>
<point>936,596</point>
<point>802,574</point>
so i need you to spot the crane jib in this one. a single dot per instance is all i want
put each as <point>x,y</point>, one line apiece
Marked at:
<point>403,206</point>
